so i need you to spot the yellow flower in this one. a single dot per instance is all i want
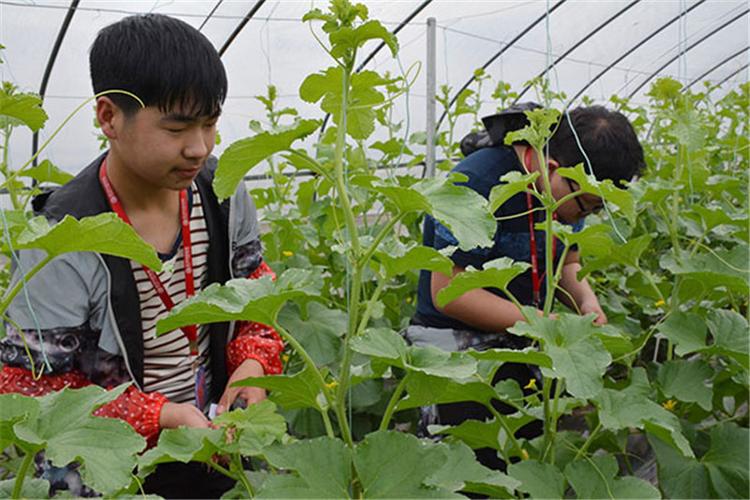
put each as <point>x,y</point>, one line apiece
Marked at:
<point>659,303</point>
<point>531,384</point>
<point>287,253</point>
<point>524,454</point>
<point>285,358</point>
<point>408,300</point>
<point>669,404</point>
<point>332,385</point>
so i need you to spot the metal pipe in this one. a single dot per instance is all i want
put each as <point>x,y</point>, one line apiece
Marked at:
<point>734,73</point>
<point>241,26</point>
<point>634,48</point>
<point>498,54</point>
<point>692,46</point>
<point>580,42</point>
<point>714,68</point>
<point>431,63</point>
<point>210,14</point>
<point>50,64</point>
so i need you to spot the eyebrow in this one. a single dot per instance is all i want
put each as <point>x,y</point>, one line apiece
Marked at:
<point>183,118</point>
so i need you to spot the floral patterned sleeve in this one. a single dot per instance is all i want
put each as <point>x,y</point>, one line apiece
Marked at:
<point>255,340</point>
<point>139,409</point>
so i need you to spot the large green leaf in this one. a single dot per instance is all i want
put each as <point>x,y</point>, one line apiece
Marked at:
<point>475,433</point>
<point>47,172</point>
<point>633,407</point>
<point>425,390</point>
<point>528,356</point>
<point>687,381</point>
<point>540,480</point>
<point>416,258</point>
<point>434,361</point>
<point>319,331</point>
<point>686,330</point>
<point>497,273</point>
<point>259,426</point>
<point>65,428</point>
<point>731,335</point>
<point>181,445</point>
<point>288,391</point>
<point>595,478</point>
<point>512,183</point>
<point>242,299</point>
<point>721,473</point>
<point>15,408</point>
<point>383,344</point>
<point>604,189</point>
<point>322,467</point>
<point>576,352</point>
<point>244,154</point>
<point>25,108</point>
<point>32,488</point>
<point>461,471</point>
<point>104,233</point>
<point>726,269</point>
<point>396,465</point>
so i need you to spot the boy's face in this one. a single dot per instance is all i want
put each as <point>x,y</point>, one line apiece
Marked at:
<point>577,208</point>
<point>164,150</point>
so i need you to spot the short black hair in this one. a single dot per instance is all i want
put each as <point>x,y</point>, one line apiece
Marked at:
<point>164,61</point>
<point>608,139</point>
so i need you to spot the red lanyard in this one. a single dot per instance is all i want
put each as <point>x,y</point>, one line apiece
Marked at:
<point>190,331</point>
<point>536,281</point>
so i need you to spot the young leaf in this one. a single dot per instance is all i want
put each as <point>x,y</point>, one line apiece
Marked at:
<point>322,466</point>
<point>259,426</point>
<point>242,299</point>
<point>512,183</point>
<point>346,39</point>
<point>47,172</point>
<point>181,445</point>
<point>244,154</point>
<point>288,391</point>
<point>497,273</point>
<point>536,133</point>
<point>604,189</point>
<point>103,233</point>
<point>25,108</point>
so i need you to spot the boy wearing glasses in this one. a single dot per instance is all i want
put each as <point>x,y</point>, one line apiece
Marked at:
<point>479,318</point>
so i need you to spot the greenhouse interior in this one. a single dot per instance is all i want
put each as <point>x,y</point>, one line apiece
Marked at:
<point>375,249</point>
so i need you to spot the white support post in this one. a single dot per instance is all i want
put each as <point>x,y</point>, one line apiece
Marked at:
<point>430,121</point>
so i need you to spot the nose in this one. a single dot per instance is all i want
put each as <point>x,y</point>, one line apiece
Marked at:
<point>197,144</point>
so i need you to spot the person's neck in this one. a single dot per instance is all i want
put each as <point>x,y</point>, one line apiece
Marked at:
<point>136,195</point>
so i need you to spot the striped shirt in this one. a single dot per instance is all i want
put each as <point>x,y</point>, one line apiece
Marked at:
<point>167,365</point>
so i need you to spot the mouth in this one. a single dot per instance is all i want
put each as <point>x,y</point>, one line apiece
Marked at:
<point>187,173</point>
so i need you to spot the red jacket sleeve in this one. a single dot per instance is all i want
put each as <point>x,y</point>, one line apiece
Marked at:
<point>139,409</point>
<point>255,340</point>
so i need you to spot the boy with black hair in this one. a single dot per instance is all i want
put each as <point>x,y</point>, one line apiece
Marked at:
<point>98,313</point>
<point>479,318</point>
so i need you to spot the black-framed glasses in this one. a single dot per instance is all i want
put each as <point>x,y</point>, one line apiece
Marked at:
<point>584,211</point>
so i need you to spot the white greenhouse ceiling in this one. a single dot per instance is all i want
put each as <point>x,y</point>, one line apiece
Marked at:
<point>594,48</point>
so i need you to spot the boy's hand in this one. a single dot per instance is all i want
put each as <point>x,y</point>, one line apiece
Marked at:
<point>174,415</point>
<point>592,306</point>
<point>248,368</point>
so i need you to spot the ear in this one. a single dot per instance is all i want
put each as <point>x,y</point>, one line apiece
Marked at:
<point>109,116</point>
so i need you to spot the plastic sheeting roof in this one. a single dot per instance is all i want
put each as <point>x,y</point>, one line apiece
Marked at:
<point>276,47</point>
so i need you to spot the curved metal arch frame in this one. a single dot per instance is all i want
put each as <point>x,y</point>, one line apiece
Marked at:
<point>715,67</point>
<point>50,64</point>
<point>377,49</point>
<point>251,13</point>
<point>692,46</point>
<point>498,54</point>
<point>635,47</point>
<point>578,44</point>
<point>731,75</point>
<point>210,15</point>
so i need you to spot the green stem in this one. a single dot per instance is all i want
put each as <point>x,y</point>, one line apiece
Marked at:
<point>370,306</point>
<point>21,476</point>
<point>395,398</point>
<point>546,383</point>
<point>555,415</point>
<point>501,419</point>
<point>385,231</point>
<point>342,393</point>
<point>240,471</point>
<point>317,376</point>
<point>21,283</point>
<point>588,442</point>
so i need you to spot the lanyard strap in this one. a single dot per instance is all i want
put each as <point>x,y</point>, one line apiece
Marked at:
<point>190,331</point>
<point>536,279</point>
